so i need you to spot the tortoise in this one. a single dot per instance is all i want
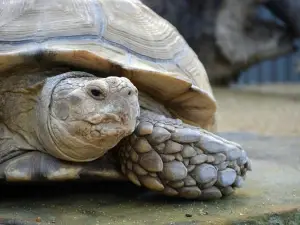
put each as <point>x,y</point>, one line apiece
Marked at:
<point>109,90</point>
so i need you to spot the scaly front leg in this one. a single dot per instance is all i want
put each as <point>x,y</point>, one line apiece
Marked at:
<point>177,159</point>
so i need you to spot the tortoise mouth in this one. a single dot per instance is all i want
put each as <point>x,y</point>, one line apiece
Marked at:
<point>109,130</point>
<point>111,125</point>
<point>108,118</point>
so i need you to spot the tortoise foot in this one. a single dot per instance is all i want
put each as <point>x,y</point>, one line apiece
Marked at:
<point>184,161</point>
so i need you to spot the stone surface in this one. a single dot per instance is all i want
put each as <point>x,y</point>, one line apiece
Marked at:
<point>272,187</point>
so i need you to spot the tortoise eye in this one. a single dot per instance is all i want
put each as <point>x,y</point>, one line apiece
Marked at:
<point>96,93</point>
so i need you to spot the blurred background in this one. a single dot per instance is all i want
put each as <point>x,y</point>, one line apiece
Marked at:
<point>250,51</point>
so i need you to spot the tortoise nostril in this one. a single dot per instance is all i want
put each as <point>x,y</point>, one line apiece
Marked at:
<point>129,92</point>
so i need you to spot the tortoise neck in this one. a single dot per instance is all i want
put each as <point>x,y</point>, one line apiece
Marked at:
<point>149,104</point>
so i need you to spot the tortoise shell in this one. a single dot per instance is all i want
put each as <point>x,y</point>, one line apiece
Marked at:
<point>122,36</point>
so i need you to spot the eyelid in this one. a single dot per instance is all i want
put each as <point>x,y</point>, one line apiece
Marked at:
<point>103,93</point>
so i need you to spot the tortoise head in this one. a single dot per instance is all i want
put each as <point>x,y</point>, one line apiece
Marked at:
<point>80,117</point>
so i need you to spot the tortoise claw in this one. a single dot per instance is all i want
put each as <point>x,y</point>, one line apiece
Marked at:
<point>185,161</point>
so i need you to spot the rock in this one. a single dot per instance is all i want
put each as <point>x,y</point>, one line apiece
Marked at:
<point>190,192</point>
<point>174,171</point>
<point>144,128</point>
<point>188,151</point>
<point>142,145</point>
<point>158,136</point>
<point>186,135</point>
<point>198,159</point>
<point>151,161</point>
<point>226,177</point>
<point>204,173</point>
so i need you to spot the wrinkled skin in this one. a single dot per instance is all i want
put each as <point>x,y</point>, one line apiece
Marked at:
<point>75,125</point>
<point>92,114</point>
<point>85,114</point>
